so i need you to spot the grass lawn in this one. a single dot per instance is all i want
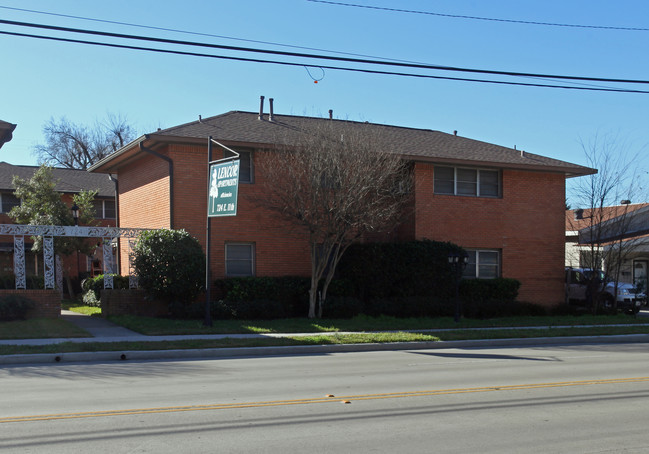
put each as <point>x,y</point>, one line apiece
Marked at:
<point>321,339</point>
<point>39,328</point>
<point>160,326</point>
<point>367,330</point>
<point>75,306</point>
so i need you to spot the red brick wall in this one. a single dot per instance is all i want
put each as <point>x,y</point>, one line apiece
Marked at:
<point>143,199</point>
<point>279,250</point>
<point>47,302</point>
<point>526,224</point>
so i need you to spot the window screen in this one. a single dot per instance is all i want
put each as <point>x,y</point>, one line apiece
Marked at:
<point>239,259</point>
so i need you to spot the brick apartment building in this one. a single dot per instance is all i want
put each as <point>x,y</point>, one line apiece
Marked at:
<point>69,182</point>
<point>504,206</point>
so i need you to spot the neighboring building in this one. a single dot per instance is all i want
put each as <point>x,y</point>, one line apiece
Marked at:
<point>505,206</point>
<point>622,228</point>
<point>69,182</point>
<point>6,132</point>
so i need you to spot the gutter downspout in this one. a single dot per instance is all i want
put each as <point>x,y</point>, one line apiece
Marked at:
<point>171,178</point>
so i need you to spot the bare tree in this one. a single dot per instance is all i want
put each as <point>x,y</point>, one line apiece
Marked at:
<point>77,146</point>
<point>337,183</point>
<point>604,216</point>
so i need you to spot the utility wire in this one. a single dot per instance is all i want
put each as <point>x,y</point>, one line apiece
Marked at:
<point>321,57</point>
<point>492,19</point>
<point>210,35</point>
<point>368,71</point>
<point>174,30</point>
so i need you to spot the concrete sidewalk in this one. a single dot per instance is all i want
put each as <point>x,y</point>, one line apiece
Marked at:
<point>102,330</point>
<point>97,326</point>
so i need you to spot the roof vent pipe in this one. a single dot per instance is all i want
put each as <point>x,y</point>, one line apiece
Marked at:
<point>270,117</point>
<point>455,133</point>
<point>261,107</point>
<point>522,154</point>
<point>331,114</point>
<point>200,119</point>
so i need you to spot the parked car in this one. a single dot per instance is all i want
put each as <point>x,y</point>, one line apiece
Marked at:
<point>581,282</point>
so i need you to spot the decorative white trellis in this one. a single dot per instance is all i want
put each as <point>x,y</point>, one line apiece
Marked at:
<point>52,263</point>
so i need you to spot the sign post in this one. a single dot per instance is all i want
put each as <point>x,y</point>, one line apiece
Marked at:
<point>222,195</point>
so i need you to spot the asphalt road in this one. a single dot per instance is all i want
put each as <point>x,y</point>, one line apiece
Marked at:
<point>545,399</point>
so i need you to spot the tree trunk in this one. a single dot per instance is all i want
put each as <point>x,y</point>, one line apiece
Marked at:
<point>312,300</point>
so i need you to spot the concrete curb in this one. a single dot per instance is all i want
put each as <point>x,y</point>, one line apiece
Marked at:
<point>213,353</point>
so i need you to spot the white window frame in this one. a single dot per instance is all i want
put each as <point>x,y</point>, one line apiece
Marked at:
<point>228,273</point>
<point>474,260</point>
<point>102,215</point>
<point>477,182</point>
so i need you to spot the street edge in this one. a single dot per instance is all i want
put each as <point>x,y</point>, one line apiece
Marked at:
<point>242,352</point>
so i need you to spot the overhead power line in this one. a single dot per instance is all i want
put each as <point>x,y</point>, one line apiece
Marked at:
<point>187,32</point>
<point>361,70</point>
<point>321,57</point>
<point>492,19</point>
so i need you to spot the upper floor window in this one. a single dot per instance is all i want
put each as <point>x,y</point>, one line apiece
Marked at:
<point>483,264</point>
<point>246,174</point>
<point>467,182</point>
<point>8,201</point>
<point>104,209</point>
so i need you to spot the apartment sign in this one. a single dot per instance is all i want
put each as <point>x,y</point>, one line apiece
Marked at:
<point>223,188</point>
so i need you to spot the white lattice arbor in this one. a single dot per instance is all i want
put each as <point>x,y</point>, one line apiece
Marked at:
<point>51,263</point>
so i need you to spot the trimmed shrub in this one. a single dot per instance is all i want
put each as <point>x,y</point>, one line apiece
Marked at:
<point>500,289</point>
<point>342,307</point>
<point>91,288</point>
<point>388,270</point>
<point>32,282</point>
<point>262,309</point>
<point>170,265</point>
<point>14,307</point>
<point>410,306</point>
<point>292,293</point>
<point>490,298</point>
<point>497,309</point>
<point>289,296</point>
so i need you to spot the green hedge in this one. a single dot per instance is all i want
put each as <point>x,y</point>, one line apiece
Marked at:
<point>8,281</point>
<point>410,279</point>
<point>278,297</point>
<point>14,307</point>
<point>92,287</point>
<point>389,270</point>
<point>291,291</point>
<point>488,298</point>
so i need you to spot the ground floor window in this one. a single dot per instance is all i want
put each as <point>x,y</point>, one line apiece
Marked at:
<point>483,264</point>
<point>239,259</point>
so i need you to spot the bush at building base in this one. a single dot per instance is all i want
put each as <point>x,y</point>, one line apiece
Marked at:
<point>170,266</point>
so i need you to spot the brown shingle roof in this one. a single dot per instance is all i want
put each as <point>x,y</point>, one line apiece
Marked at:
<point>593,216</point>
<point>418,144</point>
<point>70,180</point>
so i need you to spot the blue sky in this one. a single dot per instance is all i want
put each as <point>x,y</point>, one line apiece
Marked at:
<point>42,79</point>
